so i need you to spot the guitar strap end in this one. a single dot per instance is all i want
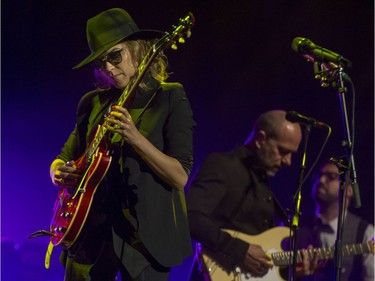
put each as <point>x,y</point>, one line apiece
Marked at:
<point>48,255</point>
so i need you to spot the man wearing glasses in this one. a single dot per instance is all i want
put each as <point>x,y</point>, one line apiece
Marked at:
<point>325,193</point>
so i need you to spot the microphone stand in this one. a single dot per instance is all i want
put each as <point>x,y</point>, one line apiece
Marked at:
<point>350,159</point>
<point>297,201</point>
<point>338,74</point>
<point>348,142</point>
<point>341,215</point>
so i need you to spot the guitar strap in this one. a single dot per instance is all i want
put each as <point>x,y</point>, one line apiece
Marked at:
<point>281,211</point>
<point>137,118</point>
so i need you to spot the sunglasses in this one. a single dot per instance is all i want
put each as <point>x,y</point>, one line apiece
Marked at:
<point>113,58</point>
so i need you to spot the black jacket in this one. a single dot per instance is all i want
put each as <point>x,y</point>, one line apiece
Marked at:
<point>157,213</point>
<point>229,193</point>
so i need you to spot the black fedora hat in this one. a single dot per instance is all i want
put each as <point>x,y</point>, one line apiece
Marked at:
<point>110,27</point>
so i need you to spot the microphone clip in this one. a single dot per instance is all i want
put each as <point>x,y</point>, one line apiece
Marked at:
<point>327,73</point>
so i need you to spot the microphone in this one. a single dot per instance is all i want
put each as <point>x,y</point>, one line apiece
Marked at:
<point>296,117</point>
<point>314,52</point>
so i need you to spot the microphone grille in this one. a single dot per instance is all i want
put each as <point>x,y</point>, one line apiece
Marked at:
<point>292,116</point>
<point>299,43</point>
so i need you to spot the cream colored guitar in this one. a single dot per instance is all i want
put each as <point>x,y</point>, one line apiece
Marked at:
<point>219,267</point>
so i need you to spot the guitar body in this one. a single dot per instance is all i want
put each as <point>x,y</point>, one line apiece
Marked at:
<point>219,268</point>
<point>73,204</point>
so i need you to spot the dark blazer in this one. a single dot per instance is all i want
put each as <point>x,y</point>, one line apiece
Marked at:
<point>228,192</point>
<point>153,211</point>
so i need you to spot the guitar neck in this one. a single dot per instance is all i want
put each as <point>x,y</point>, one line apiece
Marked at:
<point>138,76</point>
<point>285,258</point>
<point>127,92</point>
<point>219,267</point>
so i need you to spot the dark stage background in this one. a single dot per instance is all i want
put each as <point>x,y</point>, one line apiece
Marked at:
<point>237,64</point>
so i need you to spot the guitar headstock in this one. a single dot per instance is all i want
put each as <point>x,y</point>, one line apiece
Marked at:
<point>177,34</point>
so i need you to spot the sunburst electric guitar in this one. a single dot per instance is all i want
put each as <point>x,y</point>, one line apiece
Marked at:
<point>219,268</point>
<point>72,205</point>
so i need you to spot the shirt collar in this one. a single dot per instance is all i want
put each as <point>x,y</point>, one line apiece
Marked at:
<point>332,223</point>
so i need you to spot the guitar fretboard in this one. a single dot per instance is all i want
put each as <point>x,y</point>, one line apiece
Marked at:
<point>285,258</point>
<point>132,85</point>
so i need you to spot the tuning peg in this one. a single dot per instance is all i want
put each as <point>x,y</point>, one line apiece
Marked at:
<point>181,40</point>
<point>324,82</point>
<point>174,46</point>
<point>188,33</point>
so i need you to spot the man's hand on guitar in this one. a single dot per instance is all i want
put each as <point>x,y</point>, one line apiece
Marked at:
<point>308,267</point>
<point>256,262</point>
<point>64,174</point>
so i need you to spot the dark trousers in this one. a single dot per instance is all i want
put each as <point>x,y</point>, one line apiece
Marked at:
<point>106,269</point>
<point>93,259</point>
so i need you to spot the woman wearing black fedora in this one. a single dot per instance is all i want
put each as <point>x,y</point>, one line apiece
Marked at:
<point>136,224</point>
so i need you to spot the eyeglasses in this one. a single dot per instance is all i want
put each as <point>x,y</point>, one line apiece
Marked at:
<point>113,58</point>
<point>329,175</point>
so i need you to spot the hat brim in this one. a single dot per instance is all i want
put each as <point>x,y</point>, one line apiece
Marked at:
<point>140,34</point>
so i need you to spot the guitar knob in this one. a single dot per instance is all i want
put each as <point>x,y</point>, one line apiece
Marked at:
<point>67,214</point>
<point>60,229</point>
